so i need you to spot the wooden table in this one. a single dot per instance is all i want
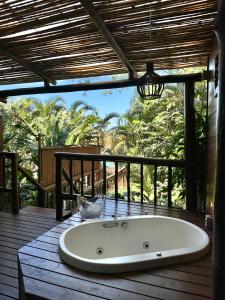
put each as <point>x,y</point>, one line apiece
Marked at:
<point>43,275</point>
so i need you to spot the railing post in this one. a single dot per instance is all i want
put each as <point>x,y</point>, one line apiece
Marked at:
<point>169,188</point>
<point>92,178</point>
<point>128,182</point>
<point>41,197</point>
<point>71,176</point>
<point>116,180</point>
<point>142,182</point>
<point>190,147</point>
<point>15,195</point>
<point>59,200</point>
<point>104,178</point>
<point>82,177</point>
<point>155,185</point>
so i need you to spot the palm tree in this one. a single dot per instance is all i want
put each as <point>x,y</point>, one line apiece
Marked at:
<point>28,119</point>
<point>125,138</point>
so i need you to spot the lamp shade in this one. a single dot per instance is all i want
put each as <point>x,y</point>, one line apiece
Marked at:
<point>150,85</point>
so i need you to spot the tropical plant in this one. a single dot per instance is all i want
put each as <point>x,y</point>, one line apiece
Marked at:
<point>155,128</point>
<point>30,123</point>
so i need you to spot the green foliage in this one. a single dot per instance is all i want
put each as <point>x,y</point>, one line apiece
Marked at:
<point>29,122</point>
<point>147,182</point>
<point>155,129</point>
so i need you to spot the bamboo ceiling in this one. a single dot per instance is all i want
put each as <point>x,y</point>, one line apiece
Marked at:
<point>58,39</point>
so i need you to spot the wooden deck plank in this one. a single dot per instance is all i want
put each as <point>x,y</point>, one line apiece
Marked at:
<point>3,297</point>
<point>9,291</point>
<point>49,291</point>
<point>144,285</point>
<point>54,248</point>
<point>96,288</point>
<point>15,232</point>
<point>41,264</point>
<point>9,271</point>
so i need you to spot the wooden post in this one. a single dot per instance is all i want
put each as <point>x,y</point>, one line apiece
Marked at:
<point>1,150</point>
<point>190,147</point>
<point>39,157</point>
<point>41,198</point>
<point>58,179</point>
<point>41,194</point>
<point>219,204</point>
<point>15,195</point>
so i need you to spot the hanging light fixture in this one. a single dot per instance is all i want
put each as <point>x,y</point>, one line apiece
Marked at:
<point>150,85</point>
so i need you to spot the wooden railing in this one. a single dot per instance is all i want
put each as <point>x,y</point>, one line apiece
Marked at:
<point>80,159</point>
<point>8,178</point>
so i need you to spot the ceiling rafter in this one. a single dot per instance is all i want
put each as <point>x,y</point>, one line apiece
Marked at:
<point>99,22</point>
<point>17,58</point>
<point>63,42</point>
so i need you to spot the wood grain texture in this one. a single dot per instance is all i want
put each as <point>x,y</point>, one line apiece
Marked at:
<point>45,275</point>
<point>15,232</point>
<point>47,163</point>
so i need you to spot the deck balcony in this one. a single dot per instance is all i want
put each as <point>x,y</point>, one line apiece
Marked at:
<point>35,233</point>
<point>70,40</point>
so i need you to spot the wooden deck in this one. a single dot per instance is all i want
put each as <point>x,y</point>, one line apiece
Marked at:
<point>15,232</point>
<point>45,276</point>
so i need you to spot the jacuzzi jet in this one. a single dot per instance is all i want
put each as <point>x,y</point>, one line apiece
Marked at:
<point>158,254</point>
<point>146,245</point>
<point>99,250</point>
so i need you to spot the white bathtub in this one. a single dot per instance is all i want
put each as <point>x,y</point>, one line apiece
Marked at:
<point>132,243</point>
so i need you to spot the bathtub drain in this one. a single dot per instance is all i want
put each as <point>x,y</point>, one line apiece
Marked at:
<point>99,250</point>
<point>146,245</point>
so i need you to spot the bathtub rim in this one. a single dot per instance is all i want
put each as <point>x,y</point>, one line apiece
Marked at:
<point>111,265</point>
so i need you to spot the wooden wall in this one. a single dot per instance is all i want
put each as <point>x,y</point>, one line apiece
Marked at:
<point>212,128</point>
<point>47,162</point>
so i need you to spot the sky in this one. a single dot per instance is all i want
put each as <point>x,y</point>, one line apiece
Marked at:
<point>105,101</point>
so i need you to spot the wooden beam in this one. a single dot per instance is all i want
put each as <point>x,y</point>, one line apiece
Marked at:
<point>219,204</point>
<point>116,84</point>
<point>190,147</point>
<point>99,22</point>
<point>17,58</point>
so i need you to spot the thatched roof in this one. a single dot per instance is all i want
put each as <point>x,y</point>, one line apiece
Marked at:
<point>58,39</point>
